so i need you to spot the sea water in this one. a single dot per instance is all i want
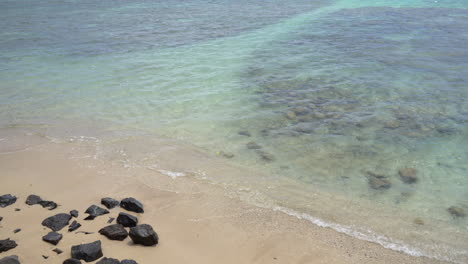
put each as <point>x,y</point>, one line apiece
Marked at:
<point>325,100</point>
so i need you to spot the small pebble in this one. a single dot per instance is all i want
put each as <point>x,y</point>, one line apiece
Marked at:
<point>16,230</point>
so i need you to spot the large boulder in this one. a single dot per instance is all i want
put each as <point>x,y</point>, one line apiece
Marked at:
<point>95,211</point>
<point>108,261</point>
<point>128,261</point>
<point>114,232</point>
<point>72,261</point>
<point>57,221</point>
<point>10,260</point>
<point>7,244</point>
<point>127,220</point>
<point>6,200</point>
<point>52,237</point>
<point>87,252</point>
<point>109,202</point>
<point>144,235</point>
<point>132,204</point>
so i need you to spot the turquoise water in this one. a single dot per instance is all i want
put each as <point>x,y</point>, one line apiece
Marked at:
<point>332,93</point>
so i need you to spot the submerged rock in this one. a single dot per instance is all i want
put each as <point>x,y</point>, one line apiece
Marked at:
<point>87,252</point>
<point>74,226</point>
<point>74,213</point>
<point>144,235</point>
<point>132,204</point>
<point>52,238</point>
<point>418,221</point>
<point>127,220</point>
<point>253,145</point>
<point>114,232</point>
<point>245,133</point>
<point>291,115</point>
<point>95,211</point>
<point>408,175</point>
<point>456,211</point>
<point>109,202</point>
<point>10,260</point>
<point>227,155</point>
<point>71,261</point>
<point>265,156</point>
<point>6,200</point>
<point>7,244</point>
<point>108,261</point>
<point>378,182</point>
<point>57,222</point>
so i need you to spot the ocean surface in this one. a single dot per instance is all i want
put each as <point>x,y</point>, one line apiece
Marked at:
<point>352,114</point>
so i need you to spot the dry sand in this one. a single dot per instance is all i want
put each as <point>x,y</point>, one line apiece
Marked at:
<point>196,221</point>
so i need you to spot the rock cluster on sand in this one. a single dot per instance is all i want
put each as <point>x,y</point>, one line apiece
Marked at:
<point>109,202</point>
<point>6,200</point>
<point>144,235</point>
<point>95,211</point>
<point>10,260</point>
<point>36,199</point>
<point>132,204</point>
<point>7,244</point>
<point>87,252</point>
<point>114,232</point>
<point>52,237</point>
<point>57,222</point>
<point>127,220</point>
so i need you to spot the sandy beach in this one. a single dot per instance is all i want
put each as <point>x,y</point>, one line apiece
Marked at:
<point>196,222</point>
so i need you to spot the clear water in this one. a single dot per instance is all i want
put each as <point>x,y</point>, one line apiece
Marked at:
<point>332,92</point>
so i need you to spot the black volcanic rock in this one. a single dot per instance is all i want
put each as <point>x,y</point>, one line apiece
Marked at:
<point>114,232</point>
<point>10,260</point>
<point>6,200</point>
<point>108,261</point>
<point>7,244</point>
<point>111,219</point>
<point>33,199</point>
<point>48,204</point>
<point>74,213</point>
<point>127,220</point>
<point>58,251</point>
<point>52,237</point>
<point>87,252</point>
<point>132,204</point>
<point>71,261</point>
<point>128,261</point>
<point>57,221</point>
<point>1,218</point>
<point>74,226</point>
<point>109,202</point>
<point>95,211</point>
<point>144,235</point>
<point>17,230</point>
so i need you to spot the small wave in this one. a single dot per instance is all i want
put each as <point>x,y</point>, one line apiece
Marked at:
<point>172,174</point>
<point>366,235</point>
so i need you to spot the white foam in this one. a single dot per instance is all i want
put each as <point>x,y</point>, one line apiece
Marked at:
<point>172,174</point>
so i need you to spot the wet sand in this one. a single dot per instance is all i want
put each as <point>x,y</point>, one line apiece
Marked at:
<point>196,221</point>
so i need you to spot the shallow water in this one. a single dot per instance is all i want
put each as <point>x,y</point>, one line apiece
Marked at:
<point>332,93</point>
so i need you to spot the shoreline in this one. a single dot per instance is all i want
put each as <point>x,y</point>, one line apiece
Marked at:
<point>196,221</point>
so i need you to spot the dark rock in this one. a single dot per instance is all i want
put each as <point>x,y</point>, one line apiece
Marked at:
<point>108,261</point>
<point>58,251</point>
<point>87,252</point>
<point>57,221</point>
<point>17,209</point>
<point>84,232</point>
<point>95,211</point>
<point>132,204</point>
<point>245,133</point>
<point>7,244</point>
<point>48,204</point>
<point>265,156</point>
<point>52,237</point>
<point>109,202</point>
<point>408,175</point>
<point>127,220</point>
<point>144,235</point>
<point>74,213</point>
<point>10,260</point>
<point>111,219</point>
<point>128,261</point>
<point>378,182</point>
<point>6,200</point>
<point>72,261</point>
<point>45,257</point>
<point>90,217</point>
<point>1,218</point>
<point>33,199</point>
<point>17,230</point>
<point>253,145</point>
<point>456,211</point>
<point>114,232</point>
<point>74,226</point>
